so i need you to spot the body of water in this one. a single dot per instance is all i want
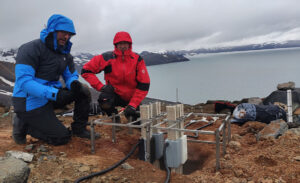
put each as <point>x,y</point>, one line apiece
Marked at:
<point>225,76</point>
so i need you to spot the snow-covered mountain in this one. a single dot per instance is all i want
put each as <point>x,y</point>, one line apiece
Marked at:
<point>8,55</point>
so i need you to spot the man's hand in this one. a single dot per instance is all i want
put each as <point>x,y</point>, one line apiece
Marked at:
<point>79,90</point>
<point>130,111</point>
<point>64,97</point>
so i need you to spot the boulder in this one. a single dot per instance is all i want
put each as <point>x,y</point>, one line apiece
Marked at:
<point>27,157</point>
<point>281,96</point>
<point>274,129</point>
<point>13,170</point>
<point>286,86</point>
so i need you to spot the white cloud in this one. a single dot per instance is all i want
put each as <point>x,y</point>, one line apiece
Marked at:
<point>154,24</point>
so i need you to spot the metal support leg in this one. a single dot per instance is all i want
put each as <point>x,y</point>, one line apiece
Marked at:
<point>217,149</point>
<point>92,137</point>
<point>224,137</point>
<point>113,128</point>
<point>289,106</point>
<point>130,129</point>
<point>148,138</point>
<point>229,130</point>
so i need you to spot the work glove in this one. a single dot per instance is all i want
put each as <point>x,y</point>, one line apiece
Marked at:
<point>130,111</point>
<point>107,89</point>
<point>64,97</point>
<point>80,91</point>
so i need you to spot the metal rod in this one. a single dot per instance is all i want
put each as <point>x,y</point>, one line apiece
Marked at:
<point>289,106</point>
<point>221,127</point>
<point>148,138</point>
<point>92,137</point>
<point>197,134</point>
<point>224,138</point>
<point>130,129</point>
<point>217,149</point>
<point>229,130</point>
<point>158,124</point>
<point>113,128</point>
<point>186,130</point>
<point>123,125</point>
<point>201,141</point>
<point>206,114</point>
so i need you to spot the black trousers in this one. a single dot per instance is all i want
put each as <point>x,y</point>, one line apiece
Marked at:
<point>109,101</point>
<point>42,123</point>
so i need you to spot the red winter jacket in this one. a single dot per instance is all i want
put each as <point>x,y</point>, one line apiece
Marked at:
<point>127,72</point>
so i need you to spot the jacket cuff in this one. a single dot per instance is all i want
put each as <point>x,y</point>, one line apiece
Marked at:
<point>52,93</point>
<point>133,105</point>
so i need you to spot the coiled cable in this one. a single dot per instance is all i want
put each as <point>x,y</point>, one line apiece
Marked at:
<point>110,168</point>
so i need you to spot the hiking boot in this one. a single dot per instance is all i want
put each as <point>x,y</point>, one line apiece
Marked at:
<point>19,130</point>
<point>19,139</point>
<point>86,134</point>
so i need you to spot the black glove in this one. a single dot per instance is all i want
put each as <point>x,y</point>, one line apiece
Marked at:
<point>107,89</point>
<point>130,111</point>
<point>79,90</point>
<point>64,97</point>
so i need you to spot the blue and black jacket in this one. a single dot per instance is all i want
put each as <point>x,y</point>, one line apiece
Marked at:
<point>39,65</point>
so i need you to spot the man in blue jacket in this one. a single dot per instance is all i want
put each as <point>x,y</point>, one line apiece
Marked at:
<point>39,66</point>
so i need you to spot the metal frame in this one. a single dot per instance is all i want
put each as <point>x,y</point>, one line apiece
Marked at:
<point>147,124</point>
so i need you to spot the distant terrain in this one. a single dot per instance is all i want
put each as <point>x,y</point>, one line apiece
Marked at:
<point>264,46</point>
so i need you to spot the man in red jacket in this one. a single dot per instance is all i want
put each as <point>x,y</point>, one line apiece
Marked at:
<point>126,77</point>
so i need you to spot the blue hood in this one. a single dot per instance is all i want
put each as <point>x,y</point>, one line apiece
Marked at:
<point>56,23</point>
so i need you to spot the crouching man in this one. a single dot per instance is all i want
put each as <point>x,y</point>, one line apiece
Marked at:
<point>38,91</point>
<point>126,77</point>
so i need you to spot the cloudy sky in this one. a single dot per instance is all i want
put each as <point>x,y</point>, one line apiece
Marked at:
<point>155,25</point>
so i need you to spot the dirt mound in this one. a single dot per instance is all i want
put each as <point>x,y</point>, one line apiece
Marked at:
<point>247,160</point>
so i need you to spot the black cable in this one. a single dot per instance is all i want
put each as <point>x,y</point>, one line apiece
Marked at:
<point>165,162</point>
<point>110,168</point>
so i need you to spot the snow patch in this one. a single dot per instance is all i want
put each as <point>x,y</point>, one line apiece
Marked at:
<point>5,92</point>
<point>7,81</point>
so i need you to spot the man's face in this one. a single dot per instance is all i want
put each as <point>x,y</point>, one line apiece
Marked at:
<point>63,37</point>
<point>123,46</point>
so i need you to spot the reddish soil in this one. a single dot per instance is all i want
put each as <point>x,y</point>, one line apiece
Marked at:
<point>247,160</point>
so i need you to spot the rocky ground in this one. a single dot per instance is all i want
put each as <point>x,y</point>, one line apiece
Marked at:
<point>247,160</point>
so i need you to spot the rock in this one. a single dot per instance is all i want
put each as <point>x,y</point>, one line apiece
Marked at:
<point>62,154</point>
<point>286,86</point>
<point>263,180</point>
<point>13,170</point>
<point>255,100</point>
<point>43,148</point>
<point>126,166</point>
<point>84,169</point>
<point>274,129</point>
<point>297,158</point>
<point>295,131</point>
<point>279,180</point>
<point>227,157</point>
<point>235,145</point>
<point>115,178</point>
<point>297,111</point>
<point>27,157</point>
<point>238,172</point>
<point>236,137</point>
<point>29,147</point>
<point>281,96</point>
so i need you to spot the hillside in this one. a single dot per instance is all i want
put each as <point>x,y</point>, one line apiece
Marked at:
<point>246,161</point>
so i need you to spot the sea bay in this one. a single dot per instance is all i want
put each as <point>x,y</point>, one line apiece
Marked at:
<point>225,76</point>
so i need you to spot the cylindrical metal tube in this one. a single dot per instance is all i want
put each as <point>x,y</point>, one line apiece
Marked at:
<point>289,106</point>
<point>92,137</point>
<point>217,149</point>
